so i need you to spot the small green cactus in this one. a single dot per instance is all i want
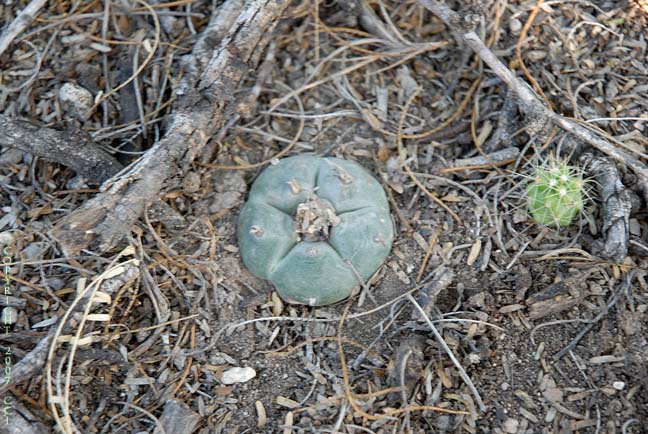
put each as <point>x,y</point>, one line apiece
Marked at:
<point>555,195</point>
<point>315,227</point>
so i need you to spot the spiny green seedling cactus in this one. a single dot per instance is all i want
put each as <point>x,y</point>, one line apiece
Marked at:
<point>315,227</point>
<point>555,195</point>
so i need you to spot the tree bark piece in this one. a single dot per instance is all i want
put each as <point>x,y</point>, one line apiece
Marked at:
<point>555,298</point>
<point>616,205</point>
<point>76,151</point>
<point>203,104</point>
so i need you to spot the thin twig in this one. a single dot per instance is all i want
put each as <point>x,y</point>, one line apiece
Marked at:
<point>518,52</point>
<point>433,240</point>
<point>446,348</point>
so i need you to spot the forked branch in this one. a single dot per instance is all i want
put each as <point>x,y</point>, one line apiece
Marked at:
<point>527,100</point>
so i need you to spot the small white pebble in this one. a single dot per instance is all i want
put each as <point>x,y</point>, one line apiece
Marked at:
<point>238,375</point>
<point>515,25</point>
<point>6,238</point>
<point>618,385</point>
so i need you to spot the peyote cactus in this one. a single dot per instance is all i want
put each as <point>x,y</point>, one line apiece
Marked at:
<point>315,227</point>
<point>555,195</point>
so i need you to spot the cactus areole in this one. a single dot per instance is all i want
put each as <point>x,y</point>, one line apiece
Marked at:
<point>315,227</point>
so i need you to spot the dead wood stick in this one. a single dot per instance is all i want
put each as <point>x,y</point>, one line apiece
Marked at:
<point>19,23</point>
<point>204,102</point>
<point>616,204</point>
<point>31,364</point>
<point>494,158</point>
<point>529,103</point>
<point>76,151</point>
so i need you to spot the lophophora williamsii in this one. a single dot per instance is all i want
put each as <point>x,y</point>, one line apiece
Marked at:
<point>315,227</point>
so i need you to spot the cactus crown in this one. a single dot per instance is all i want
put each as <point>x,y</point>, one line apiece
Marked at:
<point>555,194</point>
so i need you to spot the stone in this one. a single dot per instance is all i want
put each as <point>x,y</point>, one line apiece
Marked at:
<point>78,99</point>
<point>553,394</point>
<point>238,375</point>
<point>510,426</point>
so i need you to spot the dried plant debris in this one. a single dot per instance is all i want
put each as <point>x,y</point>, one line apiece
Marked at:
<point>480,320</point>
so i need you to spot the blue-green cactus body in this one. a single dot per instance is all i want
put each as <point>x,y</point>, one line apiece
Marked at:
<point>315,227</point>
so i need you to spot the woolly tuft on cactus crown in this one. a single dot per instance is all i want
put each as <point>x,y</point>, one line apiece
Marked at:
<point>555,196</point>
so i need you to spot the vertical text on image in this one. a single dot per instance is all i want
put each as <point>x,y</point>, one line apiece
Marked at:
<point>7,402</point>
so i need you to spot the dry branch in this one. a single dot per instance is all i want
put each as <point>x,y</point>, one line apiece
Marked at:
<point>31,364</point>
<point>527,100</point>
<point>19,23</point>
<point>616,206</point>
<point>616,210</point>
<point>74,150</point>
<point>204,101</point>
